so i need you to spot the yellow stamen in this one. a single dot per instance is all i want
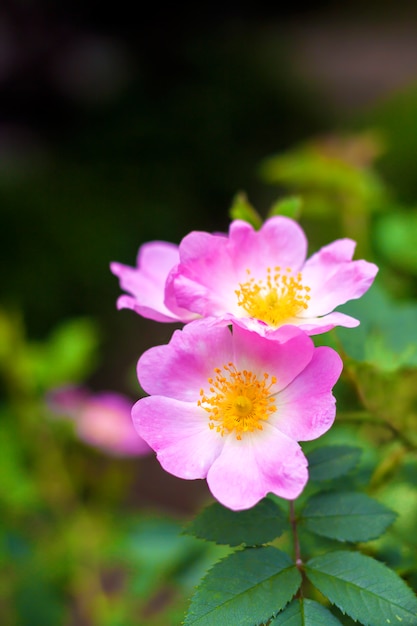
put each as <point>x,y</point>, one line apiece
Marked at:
<point>274,301</point>
<point>239,402</point>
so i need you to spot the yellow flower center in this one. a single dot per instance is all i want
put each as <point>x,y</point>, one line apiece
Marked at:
<point>277,299</point>
<point>238,402</point>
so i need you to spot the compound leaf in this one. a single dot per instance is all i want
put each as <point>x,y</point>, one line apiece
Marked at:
<point>305,613</point>
<point>364,588</point>
<point>346,516</point>
<point>263,523</point>
<point>331,462</point>
<point>245,589</point>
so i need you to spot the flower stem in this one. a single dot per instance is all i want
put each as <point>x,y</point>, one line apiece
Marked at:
<point>297,551</point>
<point>296,542</point>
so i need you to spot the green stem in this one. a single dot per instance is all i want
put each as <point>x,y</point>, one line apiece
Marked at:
<point>293,522</point>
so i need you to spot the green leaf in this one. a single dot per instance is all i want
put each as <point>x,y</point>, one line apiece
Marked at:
<point>305,613</point>
<point>69,355</point>
<point>326,169</point>
<point>72,349</point>
<point>386,335</point>
<point>241,209</point>
<point>290,207</point>
<point>364,588</point>
<point>246,588</point>
<point>396,237</point>
<point>263,523</point>
<point>330,462</point>
<point>346,516</point>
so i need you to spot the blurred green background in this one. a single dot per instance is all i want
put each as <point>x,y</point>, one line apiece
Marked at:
<point>116,129</point>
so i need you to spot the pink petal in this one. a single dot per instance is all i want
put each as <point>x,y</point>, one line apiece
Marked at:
<point>337,251</point>
<point>306,408</point>
<point>182,367</point>
<point>146,282</point>
<point>280,242</point>
<point>149,312</point>
<point>154,261</point>
<point>261,463</point>
<point>67,401</point>
<point>316,325</point>
<point>334,279</point>
<point>205,279</point>
<point>212,266</point>
<point>156,258</point>
<point>104,421</point>
<point>283,356</point>
<point>309,325</point>
<point>180,435</point>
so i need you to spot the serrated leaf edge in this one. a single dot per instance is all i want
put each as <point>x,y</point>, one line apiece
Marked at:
<point>389,511</point>
<point>202,581</point>
<point>361,589</point>
<point>344,473</point>
<point>242,544</point>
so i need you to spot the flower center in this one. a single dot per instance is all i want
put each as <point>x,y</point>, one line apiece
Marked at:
<point>238,402</point>
<point>277,299</point>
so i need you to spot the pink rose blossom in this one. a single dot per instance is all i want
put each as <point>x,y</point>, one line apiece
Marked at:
<point>231,406</point>
<point>146,283</point>
<point>262,280</point>
<point>102,420</point>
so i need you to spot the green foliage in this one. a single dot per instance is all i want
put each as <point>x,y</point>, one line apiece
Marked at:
<point>69,354</point>
<point>261,524</point>
<point>329,462</point>
<point>245,589</point>
<point>304,612</point>
<point>289,206</point>
<point>386,336</point>
<point>19,490</point>
<point>241,209</point>
<point>330,170</point>
<point>396,238</point>
<point>398,546</point>
<point>37,600</point>
<point>394,117</point>
<point>156,551</point>
<point>363,588</point>
<point>64,555</point>
<point>346,516</point>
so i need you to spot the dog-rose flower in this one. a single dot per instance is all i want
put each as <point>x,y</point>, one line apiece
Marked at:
<point>231,406</point>
<point>146,283</point>
<point>102,420</point>
<point>262,280</point>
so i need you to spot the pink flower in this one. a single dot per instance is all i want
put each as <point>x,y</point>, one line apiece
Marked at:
<point>146,283</point>
<point>261,279</point>
<point>102,420</point>
<point>231,407</point>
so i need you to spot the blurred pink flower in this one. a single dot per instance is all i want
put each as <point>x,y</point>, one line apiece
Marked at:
<point>262,280</point>
<point>102,420</point>
<point>146,283</point>
<point>231,407</point>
